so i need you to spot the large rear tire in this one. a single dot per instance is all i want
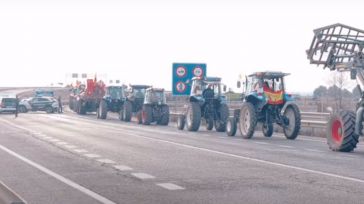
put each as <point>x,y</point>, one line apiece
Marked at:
<point>292,113</point>
<point>164,120</point>
<point>248,120</point>
<point>209,123</point>
<point>267,129</point>
<point>193,116</point>
<point>340,132</point>
<point>223,115</point>
<point>181,119</point>
<point>23,109</point>
<point>147,114</point>
<point>102,110</point>
<point>127,111</point>
<point>231,126</point>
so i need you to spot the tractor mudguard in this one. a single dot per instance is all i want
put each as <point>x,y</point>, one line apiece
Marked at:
<point>359,120</point>
<point>288,103</point>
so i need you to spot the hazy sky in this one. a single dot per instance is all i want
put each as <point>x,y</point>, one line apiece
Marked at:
<point>137,41</point>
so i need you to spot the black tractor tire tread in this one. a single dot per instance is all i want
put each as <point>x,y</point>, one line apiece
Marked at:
<point>164,120</point>
<point>297,121</point>
<point>232,122</point>
<point>196,117</point>
<point>128,111</point>
<point>148,112</point>
<point>181,120</point>
<point>253,120</point>
<point>102,109</point>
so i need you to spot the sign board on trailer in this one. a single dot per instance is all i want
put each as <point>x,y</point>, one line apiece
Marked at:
<point>182,73</point>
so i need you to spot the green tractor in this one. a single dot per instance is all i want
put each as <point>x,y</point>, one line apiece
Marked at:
<point>155,108</point>
<point>113,101</point>
<point>265,101</point>
<point>134,103</point>
<point>206,101</point>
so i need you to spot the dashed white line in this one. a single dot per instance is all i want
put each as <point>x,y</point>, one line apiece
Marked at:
<point>143,176</point>
<point>123,168</point>
<point>170,186</point>
<point>54,140</point>
<point>80,150</point>
<point>60,178</point>
<point>314,150</point>
<point>265,143</point>
<point>62,143</point>
<point>285,146</point>
<point>106,161</point>
<point>92,155</point>
<point>70,146</point>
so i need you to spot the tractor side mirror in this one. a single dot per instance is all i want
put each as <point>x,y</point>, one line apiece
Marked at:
<point>224,88</point>
<point>238,84</point>
<point>353,73</point>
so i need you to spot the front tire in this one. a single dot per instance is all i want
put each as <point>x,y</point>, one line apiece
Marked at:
<point>223,114</point>
<point>164,120</point>
<point>127,111</point>
<point>209,124</point>
<point>231,126</point>
<point>181,119</point>
<point>102,111</point>
<point>340,132</point>
<point>294,116</point>
<point>193,116</point>
<point>248,120</point>
<point>147,114</point>
<point>267,129</point>
<point>23,109</point>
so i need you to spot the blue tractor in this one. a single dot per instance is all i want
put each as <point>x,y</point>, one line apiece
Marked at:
<point>265,101</point>
<point>113,101</point>
<point>206,101</point>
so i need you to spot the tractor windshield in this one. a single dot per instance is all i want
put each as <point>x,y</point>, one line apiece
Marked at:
<point>139,92</point>
<point>116,92</point>
<point>155,97</point>
<point>274,84</point>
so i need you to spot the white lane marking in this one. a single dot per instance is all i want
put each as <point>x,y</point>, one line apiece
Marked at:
<point>123,168</point>
<point>92,155</point>
<point>314,150</point>
<point>62,143</point>
<point>80,150</point>
<point>59,177</point>
<point>54,140</point>
<point>285,146</point>
<point>265,143</point>
<point>257,160</point>
<point>106,161</point>
<point>48,138</point>
<point>70,146</point>
<point>143,176</point>
<point>170,186</point>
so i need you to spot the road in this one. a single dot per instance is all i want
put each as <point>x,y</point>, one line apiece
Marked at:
<point>67,158</point>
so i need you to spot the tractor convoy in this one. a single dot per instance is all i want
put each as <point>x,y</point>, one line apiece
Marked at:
<point>264,101</point>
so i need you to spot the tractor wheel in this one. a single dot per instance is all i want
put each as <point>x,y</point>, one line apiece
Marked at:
<point>127,111</point>
<point>139,117</point>
<point>81,110</point>
<point>164,120</point>
<point>23,109</point>
<point>231,126</point>
<point>147,114</point>
<point>209,124</point>
<point>340,132</point>
<point>102,110</point>
<point>181,119</point>
<point>193,116</point>
<point>267,129</point>
<point>292,113</point>
<point>223,113</point>
<point>248,120</point>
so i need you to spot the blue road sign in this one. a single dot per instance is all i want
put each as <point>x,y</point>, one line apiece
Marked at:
<point>182,74</point>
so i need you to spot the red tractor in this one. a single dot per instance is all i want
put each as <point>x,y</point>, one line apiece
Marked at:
<point>86,98</point>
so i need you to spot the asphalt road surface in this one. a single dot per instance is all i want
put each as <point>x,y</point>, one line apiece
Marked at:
<point>67,158</point>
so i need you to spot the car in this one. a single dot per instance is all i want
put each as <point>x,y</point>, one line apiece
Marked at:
<point>8,104</point>
<point>47,104</point>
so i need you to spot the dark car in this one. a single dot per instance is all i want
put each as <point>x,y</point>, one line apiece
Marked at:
<point>7,104</point>
<point>48,104</point>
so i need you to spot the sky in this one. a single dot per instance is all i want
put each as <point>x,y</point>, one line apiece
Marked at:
<point>136,41</point>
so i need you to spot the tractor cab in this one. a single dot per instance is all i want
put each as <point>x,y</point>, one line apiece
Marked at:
<point>268,85</point>
<point>138,91</point>
<point>207,88</point>
<point>115,92</point>
<point>155,96</point>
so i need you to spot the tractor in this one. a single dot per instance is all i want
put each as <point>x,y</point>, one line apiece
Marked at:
<point>155,108</point>
<point>86,98</point>
<point>265,101</point>
<point>340,47</point>
<point>134,103</point>
<point>113,101</point>
<point>206,101</point>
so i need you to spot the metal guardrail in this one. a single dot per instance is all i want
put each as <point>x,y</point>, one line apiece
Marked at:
<point>7,196</point>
